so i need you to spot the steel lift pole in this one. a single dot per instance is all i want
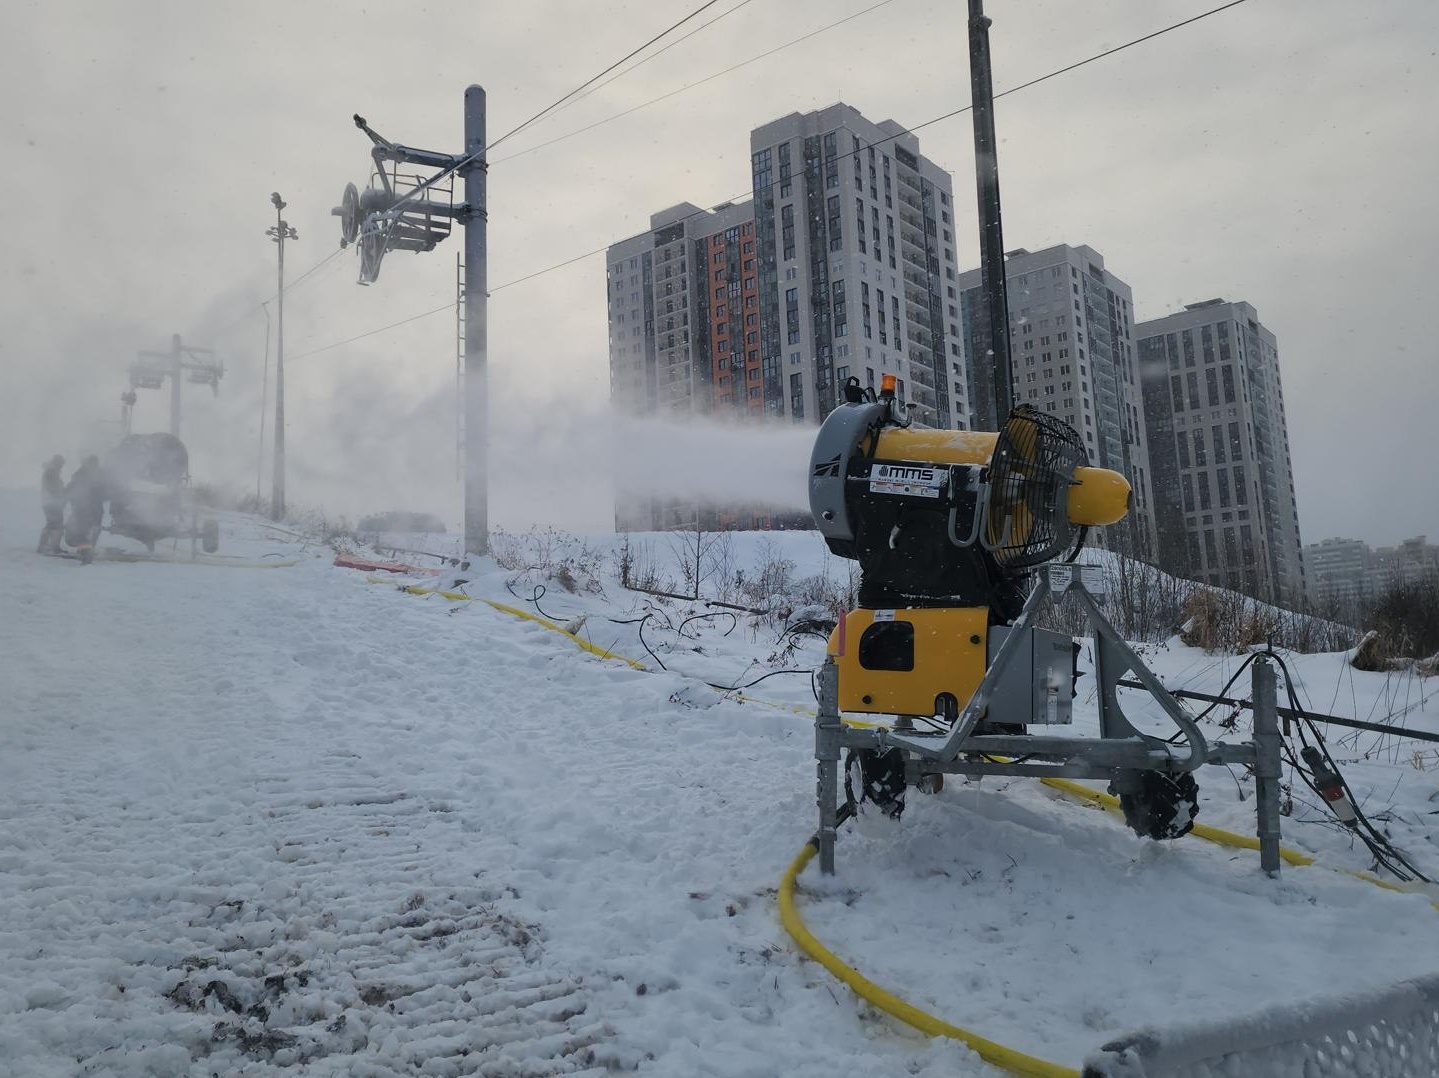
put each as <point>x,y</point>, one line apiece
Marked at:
<point>476,402</point>
<point>991,234</point>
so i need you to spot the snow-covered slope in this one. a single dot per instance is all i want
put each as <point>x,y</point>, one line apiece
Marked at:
<point>288,820</point>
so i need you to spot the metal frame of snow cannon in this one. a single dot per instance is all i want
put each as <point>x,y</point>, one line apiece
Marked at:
<point>1120,754</point>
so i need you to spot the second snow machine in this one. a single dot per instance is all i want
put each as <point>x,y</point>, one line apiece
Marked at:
<point>148,476</point>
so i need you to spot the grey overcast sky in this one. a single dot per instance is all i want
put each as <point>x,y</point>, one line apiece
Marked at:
<point>1283,152</point>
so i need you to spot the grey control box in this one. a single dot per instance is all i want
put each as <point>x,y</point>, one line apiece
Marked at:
<point>1038,686</point>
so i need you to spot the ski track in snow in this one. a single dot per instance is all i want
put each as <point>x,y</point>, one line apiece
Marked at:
<point>290,822</point>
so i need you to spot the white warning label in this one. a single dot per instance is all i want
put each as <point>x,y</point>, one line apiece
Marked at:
<point>914,480</point>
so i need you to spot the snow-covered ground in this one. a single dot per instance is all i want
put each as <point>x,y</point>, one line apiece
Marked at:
<point>292,821</point>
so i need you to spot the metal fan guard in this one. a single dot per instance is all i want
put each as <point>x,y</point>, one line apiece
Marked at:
<point>1029,475</point>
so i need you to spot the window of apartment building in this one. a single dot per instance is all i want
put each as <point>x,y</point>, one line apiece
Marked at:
<point>1211,384</point>
<point>1241,493</point>
<point>1199,456</point>
<point>1193,380</point>
<point>1182,444</point>
<point>1222,477</point>
<point>1218,435</point>
<point>1203,491</point>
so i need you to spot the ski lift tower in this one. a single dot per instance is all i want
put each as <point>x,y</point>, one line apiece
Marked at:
<point>150,370</point>
<point>407,212</point>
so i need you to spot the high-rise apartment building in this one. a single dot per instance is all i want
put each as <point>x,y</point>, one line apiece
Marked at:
<point>1219,447</point>
<point>1341,574</point>
<point>670,343</point>
<point>844,264</point>
<point>1345,574</point>
<point>1072,353</point>
<point>684,329</point>
<point>857,266</point>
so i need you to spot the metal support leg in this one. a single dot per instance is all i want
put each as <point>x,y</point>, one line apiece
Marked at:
<point>827,731</point>
<point>1266,766</point>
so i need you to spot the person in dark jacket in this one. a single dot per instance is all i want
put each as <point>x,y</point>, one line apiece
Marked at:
<point>52,501</point>
<point>86,495</point>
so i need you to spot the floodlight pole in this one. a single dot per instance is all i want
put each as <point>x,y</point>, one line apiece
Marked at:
<point>476,402</point>
<point>991,235</point>
<point>279,234</point>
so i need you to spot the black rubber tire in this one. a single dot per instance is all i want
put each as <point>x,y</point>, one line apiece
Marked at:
<point>1163,807</point>
<point>210,536</point>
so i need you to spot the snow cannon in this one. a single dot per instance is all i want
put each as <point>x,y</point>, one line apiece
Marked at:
<point>148,485</point>
<point>960,537</point>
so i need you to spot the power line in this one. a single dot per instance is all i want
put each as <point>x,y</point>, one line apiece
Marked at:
<point>905,131</point>
<point>652,56</point>
<point>635,52</point>
<point>372,332</point>
<point>463,161</point>
<point>692,85</point>
<point>271,299</point>
<point>890,138</point>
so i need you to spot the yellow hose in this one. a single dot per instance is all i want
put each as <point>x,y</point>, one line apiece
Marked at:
<point>1223,838</point>
<point>461,597</point>
<point>998,1055</point>
<point>989,1051</point>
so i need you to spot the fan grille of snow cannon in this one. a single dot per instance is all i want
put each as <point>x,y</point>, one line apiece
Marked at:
<point>1029,475</point>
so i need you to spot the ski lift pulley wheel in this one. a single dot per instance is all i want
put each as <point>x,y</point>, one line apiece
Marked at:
<point>372,252</point>
<point>348,211</point>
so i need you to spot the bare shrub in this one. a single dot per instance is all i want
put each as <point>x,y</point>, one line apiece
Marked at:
<point>771,578</point>
<point>702,556</point>
<point>1406,616</point>
<point>636,567</point>
<point>547,555</point>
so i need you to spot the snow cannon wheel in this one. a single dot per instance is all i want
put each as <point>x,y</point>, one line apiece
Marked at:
<point>875,779</point>
<point>1159,805</point>
<point>210,536</point>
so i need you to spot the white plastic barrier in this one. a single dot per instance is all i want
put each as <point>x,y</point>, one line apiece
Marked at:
<point>1388,1033</point>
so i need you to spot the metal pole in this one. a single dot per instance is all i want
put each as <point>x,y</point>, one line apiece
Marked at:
<point>175,373</point>
<point>1266,764</point>
<point>280,233</point>
<point>264,400</point>
<point>476,359</point>
<point>827,734</point>
<point>991,235</point>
